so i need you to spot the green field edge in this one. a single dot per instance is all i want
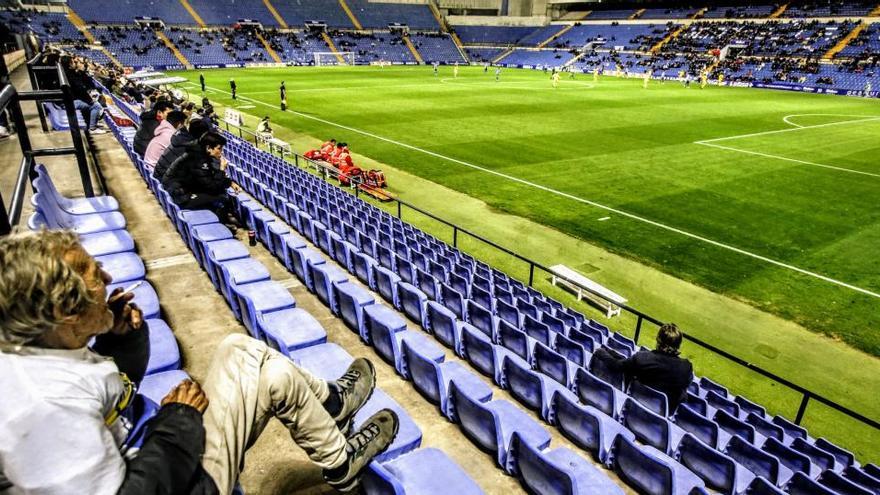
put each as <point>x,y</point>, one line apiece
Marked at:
<point>709,315</point>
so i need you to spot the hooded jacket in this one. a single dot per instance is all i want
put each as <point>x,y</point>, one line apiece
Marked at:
<point>145,133</point>
<point>180,140</point>
<point>195,172</point>
<point>159,143</point>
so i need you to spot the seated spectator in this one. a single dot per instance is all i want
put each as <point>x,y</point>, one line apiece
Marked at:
<point>198,181</point>
<point>180,142</point>
<point>149,122</point>
<point>162,138</point>
<point>67,410</point>
<point>322,153</point>
<point>264,130</point>
<point>660,369</point>
<point>81,87</point>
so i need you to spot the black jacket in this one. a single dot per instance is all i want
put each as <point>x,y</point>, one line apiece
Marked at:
<point>195,173</point>
<point>80,85</point>
<point>666,373</point>
<point>180,141</point>
<point>146,131</point>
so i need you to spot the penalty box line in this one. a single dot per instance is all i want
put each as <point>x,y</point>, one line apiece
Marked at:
<point>578,199</point>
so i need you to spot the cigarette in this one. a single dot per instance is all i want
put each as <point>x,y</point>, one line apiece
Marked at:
<point>129,289</point>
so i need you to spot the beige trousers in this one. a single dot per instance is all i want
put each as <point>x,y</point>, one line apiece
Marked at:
<point>249,383</point>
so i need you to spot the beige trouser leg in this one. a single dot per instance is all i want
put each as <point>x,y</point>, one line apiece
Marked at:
<point>249,383</point>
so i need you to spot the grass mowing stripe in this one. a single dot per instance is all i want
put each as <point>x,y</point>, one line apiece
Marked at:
<point>785,158</point>
<point>593,203</point>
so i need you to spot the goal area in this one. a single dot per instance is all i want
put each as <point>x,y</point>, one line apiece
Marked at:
<point>333,58</point>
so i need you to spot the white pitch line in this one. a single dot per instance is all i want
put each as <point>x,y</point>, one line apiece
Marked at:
<point>795,160</point>
<point>789,122</point>
<point>585,201</point>
<point>790,129</point>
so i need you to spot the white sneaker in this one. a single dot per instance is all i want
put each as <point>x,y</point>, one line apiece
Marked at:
<point>98,131</point>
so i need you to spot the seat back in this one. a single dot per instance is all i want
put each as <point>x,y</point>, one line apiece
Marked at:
<point>754,459</point>
<point>801,484</point>
<point>453,300</point>
<point>425,373</point>
<point>478,349</point>
<point>478,423</point>
<point>481,317</point>
<point>524,384</point>
<point>649,427</point>
<point>701,427</point>
<point>765,427</point>
<point>819,457</point>
<point>536,330</point>
<point>844,457</point>
<point>600,368</point>
<point>789,457</point>
<point>749,407</point>
<point>552,364</point>
<point>734,426</point>
<point>513,340</point>
<point>720,402</point>
<point>442,323</point>
<point>583,339</point>
<point>427,284</point>
<point>594,391</point>
<point>640,469</point>
<point>507,312</point>
<point>791,429</point>
<point>715,468</point>
<point>652,399</point>
<point>841,485</point>
<point>571,350</point>
<point>539,473</point>
<point>710,386</point>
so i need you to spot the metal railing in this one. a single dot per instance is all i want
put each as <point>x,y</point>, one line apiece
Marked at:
<point>10,99</point>
<point>641,317</point>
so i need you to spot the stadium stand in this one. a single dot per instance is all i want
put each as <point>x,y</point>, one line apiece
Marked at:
<point>492,34</point>
<point>377,15</point>
<point>437,47</point>
<point>373,47</point>
<point>297,12</point>
<point>229,12</point>
<point>124,12</point>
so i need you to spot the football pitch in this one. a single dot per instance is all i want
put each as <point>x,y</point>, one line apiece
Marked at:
<point>766,198</point>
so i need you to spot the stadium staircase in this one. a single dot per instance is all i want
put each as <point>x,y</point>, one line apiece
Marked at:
<point>844,42</point>
<point>444,26</point>
<point>327,39</point>
<point>269,48</point>
<point>80,24</point>
<point>698,14</point>
<point>503,55</point>
<point>271,8</point>
<point>778,12</point>
<point>354,20</point>
<point>671,36</point>
<point>171,46</point>
<point>637,14</point>
<point>192,12</point>
<point>555,35</point>
<point>875,12</point>
<point>412,49</point>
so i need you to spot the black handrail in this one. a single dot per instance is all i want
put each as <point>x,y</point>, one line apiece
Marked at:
<point>806,394</point>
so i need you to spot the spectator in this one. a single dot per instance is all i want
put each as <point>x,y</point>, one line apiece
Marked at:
<point>197,180</point>
<point>72,407</point>
<point>264,130</point>
<point>180,142</point>
<point>162,138</point>
<point>660,369</point>
<point>149,122</point>
<point>81,87</point>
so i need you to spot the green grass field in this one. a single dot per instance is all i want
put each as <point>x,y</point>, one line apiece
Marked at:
<point>775,211</point>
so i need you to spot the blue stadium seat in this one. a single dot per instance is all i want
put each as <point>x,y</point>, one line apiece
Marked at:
<point>554,365</point>
<point>259,298</point>
<point>123,267</point>
<point>560,471</point>
<point>291,329</point>
<point>837,483</point>
<point>650,428</point>
<point>324,277</point>
<point>534,390</point>
<point>352,300</point>
<point>731,424</point>
<point>761,463</point>
<point>482,318</point>
<point>701,427</point>
<point>413,303</point>
<point>595,392</point>
<point>432,379</point>
<point>485,356</point>
<point>720,472</point>
<point>844,457</point>
<point>157,385</point>
<point>453,300</point>
<point>588,427</point>
<point>820,458</point>
<point>387,340</point>
<point>363,265</point>
<point>107,242</point>
<point>599,367</point>
<point>492,425</point>
<point>860,477</point>
<point>386,285</point>
<point>537,330</point>
<point>791,458</point>
<point>164,352</point>
<point>515,341</point>
<point>766,427</point>
<point>652,399</point>
<point>650,471</point>
<point>445,327</point>
<point>417,473</point>
<point>301,259</point>
<point>801,484</point>
<point>144,296</point>
<point>239,272</point>
<point>572,351</point>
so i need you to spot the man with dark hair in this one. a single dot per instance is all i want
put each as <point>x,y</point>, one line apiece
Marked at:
<point>173,121</point>
<point>660,369</point>
<point>81,86</point>
<point>198,181</point>
<point>149,122</point>
<point>180,141</point>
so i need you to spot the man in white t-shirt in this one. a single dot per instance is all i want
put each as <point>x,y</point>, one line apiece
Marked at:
<point>66,410</point>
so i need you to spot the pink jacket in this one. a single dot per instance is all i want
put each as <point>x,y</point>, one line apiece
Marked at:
<point>160,141</point>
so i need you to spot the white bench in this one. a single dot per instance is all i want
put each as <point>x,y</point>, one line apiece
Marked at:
<point>567,277</point>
